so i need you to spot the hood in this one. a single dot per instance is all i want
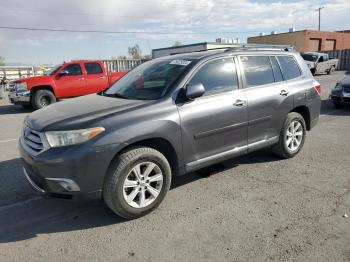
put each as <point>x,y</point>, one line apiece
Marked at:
<point>35,80</point>
<point>345,81</point>
<point>78,113</point>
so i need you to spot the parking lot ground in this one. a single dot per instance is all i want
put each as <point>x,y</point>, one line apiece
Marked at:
<point>252,208</point>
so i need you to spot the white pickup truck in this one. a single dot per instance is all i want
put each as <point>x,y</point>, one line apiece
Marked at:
<point>320,63</point>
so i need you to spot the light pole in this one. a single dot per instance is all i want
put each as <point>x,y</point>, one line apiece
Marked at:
<point>319,17</point>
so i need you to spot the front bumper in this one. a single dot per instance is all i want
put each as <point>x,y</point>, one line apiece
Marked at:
<point>75,171</point>
<point>20,97</point>
<point>340,98</point>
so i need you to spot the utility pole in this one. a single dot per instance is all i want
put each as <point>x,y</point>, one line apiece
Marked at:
<point>319,17</point>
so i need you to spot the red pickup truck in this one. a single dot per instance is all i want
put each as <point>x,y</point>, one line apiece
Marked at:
<point>71,79</point>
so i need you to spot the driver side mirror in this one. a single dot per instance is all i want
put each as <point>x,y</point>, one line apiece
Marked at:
<point>63,73</point>
<point>194,91</point>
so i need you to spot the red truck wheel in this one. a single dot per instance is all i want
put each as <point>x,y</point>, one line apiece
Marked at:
<point>42,98</point>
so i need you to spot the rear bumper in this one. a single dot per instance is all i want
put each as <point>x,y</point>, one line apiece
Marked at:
<point>19,97</point>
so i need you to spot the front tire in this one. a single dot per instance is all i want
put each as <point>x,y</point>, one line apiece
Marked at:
<point>292,136</point>
<point>137,182</point>
<point>43,98</point>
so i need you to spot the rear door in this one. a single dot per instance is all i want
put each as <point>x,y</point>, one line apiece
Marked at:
<point>269,99</point>
<point>214,126</point>
<point>96,78</point>
<point>72,84</point>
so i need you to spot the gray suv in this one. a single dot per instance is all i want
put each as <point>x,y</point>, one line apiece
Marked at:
<point>167,117</point>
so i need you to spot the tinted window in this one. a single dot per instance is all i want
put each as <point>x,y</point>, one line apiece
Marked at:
<point>289,67</point>
<point>93,68</point>
<point>310,57</point>
<point>73,69</point>
<point>217,76</point>
<point>276,69</point>
<point>257,70</point>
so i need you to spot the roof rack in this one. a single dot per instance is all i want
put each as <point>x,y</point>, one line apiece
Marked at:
<point>260,47</point>
<point>238,47</point>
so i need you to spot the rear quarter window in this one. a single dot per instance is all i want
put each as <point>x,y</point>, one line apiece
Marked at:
<point>289,66</point>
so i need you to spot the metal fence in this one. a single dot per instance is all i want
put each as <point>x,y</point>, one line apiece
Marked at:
<point>16,72</point>
<point>112,65</point>
<point>343,56</point>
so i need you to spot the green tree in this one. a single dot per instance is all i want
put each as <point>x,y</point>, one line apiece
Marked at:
<point>2,61</point>
<point>134,51</point>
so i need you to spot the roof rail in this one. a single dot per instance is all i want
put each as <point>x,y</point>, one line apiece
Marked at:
<point>238,47</point>
<point>204,50</point>
<point>260,47</point>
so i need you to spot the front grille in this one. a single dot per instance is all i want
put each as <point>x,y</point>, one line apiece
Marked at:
<point>346,89</point>
<point>33,139</point>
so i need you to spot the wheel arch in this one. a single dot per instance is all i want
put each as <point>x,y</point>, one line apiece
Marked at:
<point>41,87</point>
<point>158,143</point>
<point>305,113</point>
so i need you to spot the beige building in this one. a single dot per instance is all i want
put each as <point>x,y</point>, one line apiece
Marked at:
<point>306,40</point>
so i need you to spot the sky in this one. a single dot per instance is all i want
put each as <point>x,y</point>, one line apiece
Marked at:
<point>149,23</point>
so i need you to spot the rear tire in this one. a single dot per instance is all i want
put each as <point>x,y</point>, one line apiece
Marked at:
<point>43,98</point>
<point>130,190</point>
<point>292,136</point>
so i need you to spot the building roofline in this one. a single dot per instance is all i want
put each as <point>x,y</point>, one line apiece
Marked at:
<point>298,31</point>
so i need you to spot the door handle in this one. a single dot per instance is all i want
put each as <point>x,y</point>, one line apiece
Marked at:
<point>80,79</point>
<point>284,93</point>
<point>239,103</point>
<point>102,77</point>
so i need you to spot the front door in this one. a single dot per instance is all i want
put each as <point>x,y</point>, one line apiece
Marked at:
<point>214,126</point>
<point>71,84</point>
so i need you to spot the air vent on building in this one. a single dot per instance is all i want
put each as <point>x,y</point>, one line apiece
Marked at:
<point>291,30</point>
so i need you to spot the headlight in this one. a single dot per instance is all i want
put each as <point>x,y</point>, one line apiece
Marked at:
<point>338,87</point>
<point>21,86</point>
<point>72,137</point>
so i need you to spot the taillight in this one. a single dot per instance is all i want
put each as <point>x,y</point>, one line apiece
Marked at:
<point>317,87</point>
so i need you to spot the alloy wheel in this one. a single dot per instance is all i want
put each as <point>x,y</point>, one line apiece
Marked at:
<point>143,184</point>
<point>294,135</point>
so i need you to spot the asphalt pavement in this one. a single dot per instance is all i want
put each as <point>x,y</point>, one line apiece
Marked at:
<point>252,208</point>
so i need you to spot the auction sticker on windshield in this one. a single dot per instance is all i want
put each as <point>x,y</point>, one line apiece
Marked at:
<point>180,62</point>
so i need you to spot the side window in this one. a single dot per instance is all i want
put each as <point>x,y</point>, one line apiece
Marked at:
<point>276,69</point>
<point>257,70</point>
<point>217,76</point>
<point>290,68</point>
<point>93,68</point>
<point>73,69</point>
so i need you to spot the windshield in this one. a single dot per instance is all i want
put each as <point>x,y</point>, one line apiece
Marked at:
<point>148,81</point>
<point>309,57</point>
<point>53,70</point>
